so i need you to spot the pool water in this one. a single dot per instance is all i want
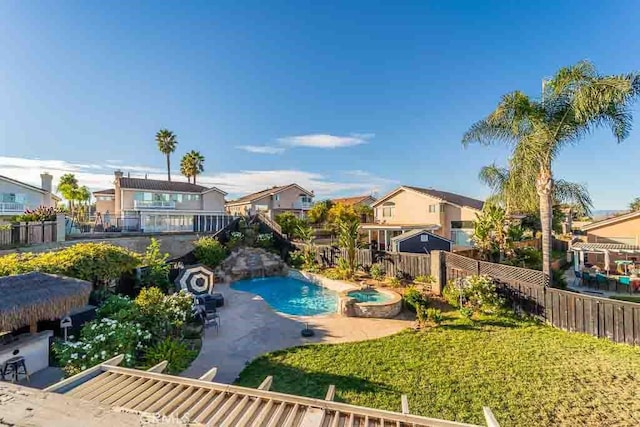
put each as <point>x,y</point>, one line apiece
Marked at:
<point>291,296</point>
<point>369,295</point>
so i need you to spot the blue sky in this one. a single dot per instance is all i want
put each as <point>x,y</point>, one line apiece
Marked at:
<point>391,87</point>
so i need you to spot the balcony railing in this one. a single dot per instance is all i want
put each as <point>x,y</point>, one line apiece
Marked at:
<point>153,204</point>
<point>302,205</point>
<point>11,207</point>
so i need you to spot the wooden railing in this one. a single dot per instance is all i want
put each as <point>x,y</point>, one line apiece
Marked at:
<point>270,223</point>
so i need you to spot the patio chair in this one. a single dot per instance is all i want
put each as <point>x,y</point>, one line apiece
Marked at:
<point>586,278</point>
<point>625,280</point>
<point>601,279</point>
<point>578,278</point>
<point>212,318</point>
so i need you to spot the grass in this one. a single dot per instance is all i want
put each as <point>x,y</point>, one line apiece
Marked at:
<point>528,374</point>
<point>625,298</point>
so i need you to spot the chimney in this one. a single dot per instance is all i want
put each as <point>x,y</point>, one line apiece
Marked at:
<point>46,181</point>
<point>118,174</point>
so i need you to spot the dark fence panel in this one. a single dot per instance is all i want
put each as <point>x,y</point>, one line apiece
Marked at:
<point>395,264</point>
<point>27,233</point>
<point>618,321</point>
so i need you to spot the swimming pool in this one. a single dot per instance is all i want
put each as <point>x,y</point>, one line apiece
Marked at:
<point>291,296</point>
<point>369,295</point>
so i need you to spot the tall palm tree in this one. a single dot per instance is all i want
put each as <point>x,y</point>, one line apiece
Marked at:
<point>192,164</point>
<point>185,167</point>
<point>517,193</point>
<point>167,142</point>
<point>575,102</point>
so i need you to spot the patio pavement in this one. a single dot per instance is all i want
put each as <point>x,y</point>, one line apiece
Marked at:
<point>573,285</point>
<point>249,328</point>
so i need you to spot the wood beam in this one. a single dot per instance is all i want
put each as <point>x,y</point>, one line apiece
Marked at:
<point>209,375</point>
<point>266,383</point>
<point>159,368</point>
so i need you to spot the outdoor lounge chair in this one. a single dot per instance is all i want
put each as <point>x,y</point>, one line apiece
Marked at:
<point>625,280</point>
<point>578,278</point>
<point>601,279</point>
<point>586,278</point>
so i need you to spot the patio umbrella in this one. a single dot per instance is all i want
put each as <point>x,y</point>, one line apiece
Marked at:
<point>197,279</point>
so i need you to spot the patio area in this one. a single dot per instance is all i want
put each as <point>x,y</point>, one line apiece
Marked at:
<point>249,327</point>
<point>607,268</point>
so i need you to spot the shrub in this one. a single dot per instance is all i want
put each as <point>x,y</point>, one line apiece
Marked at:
<point>41,213</point>
<point>289,223</point>
<point>395,282</point>
<point>163,314</point>
<point>296,259</point>
<point>156,272</point>
<point>174,351</point>
<point>466,312</point>
<point>236,239</point>
<point>335,273</point>
<point>265,240</point>
<point>559,280</point>
<point>94,262</point>
<point>100,340</point>
<point>421,314</point>
<point>209,251</point>
<point>113,306</point>
<point>451,294</point>
<point>434,316</point>
<point>425,279</point>
<point>377,271</point>
<point>413,298</point>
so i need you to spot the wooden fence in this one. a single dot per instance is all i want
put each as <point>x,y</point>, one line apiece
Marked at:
<point>394,264</point>
<point>616,320</point>
<point>27,233</point>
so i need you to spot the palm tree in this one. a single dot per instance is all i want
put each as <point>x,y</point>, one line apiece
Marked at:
<point>67,186</point>
<point>517,194</point>
<point>166,144</point>
<point>348,238</point>
<point>185,167</point>
<point>575,102</point>
<point>192,164</point>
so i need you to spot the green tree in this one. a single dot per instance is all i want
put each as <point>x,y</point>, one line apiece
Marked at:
<point>68,186</point>
<point>289,223</point>
<point>192,164</point>
<point>156,272</point>
<point>635,204</point>
<point>518,194</point>
<point>167,142</point>
<point>575,102</point>
<point>318,212</point>
<point>349,239</point>
<point>341,213</point>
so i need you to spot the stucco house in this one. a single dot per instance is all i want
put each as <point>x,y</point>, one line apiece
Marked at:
<point>154,205</point>
<point>611,239</point>
<point>17,196</point>
<point>273,201</point>
<point>410,208</point>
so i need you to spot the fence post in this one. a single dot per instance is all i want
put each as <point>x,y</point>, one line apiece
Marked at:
<point>438,271</point>
<point>60,228</point>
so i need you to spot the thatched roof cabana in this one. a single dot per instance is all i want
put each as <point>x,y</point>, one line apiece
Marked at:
<point>28,298</point>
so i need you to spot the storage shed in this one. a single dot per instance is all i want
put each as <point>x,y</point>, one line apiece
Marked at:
<point>420,242</point>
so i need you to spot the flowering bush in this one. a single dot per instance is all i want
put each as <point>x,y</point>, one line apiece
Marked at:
<point>264,240</point>
<point>41,213</point>
<point>164,315</point>
<point>101,340</point>
<point>477,292</point>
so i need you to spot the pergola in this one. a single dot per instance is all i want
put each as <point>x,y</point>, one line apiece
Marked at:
<point>582,248</point>
<point>28,298</point>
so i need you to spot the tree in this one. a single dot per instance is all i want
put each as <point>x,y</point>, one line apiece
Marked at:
<point>341,213</point>
<point>192,164</point>
<point>635,204</point>
<point>518,195</point>
<point>167,143</point>
<point>319,211</point>
<point>575,102</point>
<point>289,223</point>
<point>348,238</point>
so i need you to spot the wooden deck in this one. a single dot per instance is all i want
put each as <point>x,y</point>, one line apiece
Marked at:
<point>201,402</point>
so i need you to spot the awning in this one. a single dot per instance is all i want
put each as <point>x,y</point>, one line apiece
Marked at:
<point>605,247</point>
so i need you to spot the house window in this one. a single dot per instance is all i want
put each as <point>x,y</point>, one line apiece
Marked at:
<point>441,207</point>
<point>432,208</point>
<point>276,197</point>
<point>9,198</point>
<point>387,209</point>
<point>462,224</point>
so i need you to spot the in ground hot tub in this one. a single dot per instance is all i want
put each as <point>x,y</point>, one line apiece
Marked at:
<point>369,302</point>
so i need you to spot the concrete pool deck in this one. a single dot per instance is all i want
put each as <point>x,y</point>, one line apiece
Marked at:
<point>249,327</point>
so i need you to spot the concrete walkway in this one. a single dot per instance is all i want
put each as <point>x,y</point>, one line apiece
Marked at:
<point>249,328</point>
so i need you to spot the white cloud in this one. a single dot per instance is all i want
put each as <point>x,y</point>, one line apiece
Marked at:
<point>261,149</point>
<point>327,141</point>
<point>236,183</point>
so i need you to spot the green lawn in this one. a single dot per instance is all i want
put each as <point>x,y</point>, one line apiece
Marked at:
<point>529,374</point>
<point>629,298</point>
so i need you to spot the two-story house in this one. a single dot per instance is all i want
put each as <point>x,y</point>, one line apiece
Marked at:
<point>408,208</point>
<point>16,196</point>
<point>152,205</point>
<point>273,201</point>
<point>356,201</point>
